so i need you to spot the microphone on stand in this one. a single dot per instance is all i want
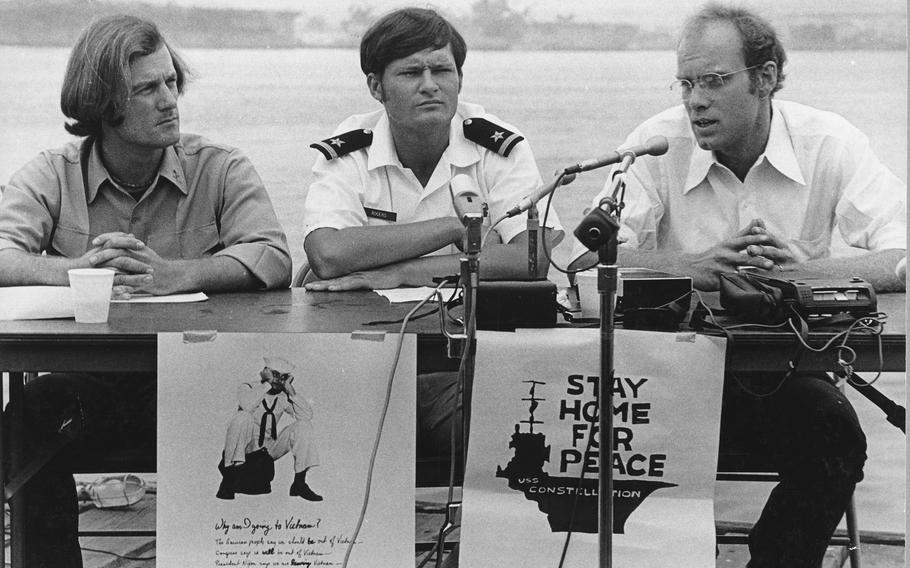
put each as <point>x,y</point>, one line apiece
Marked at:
<point>469,208</point>
<point>539,193</point>
<point>655,146</point>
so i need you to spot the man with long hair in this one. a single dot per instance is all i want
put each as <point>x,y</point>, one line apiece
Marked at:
<point>168,212</point>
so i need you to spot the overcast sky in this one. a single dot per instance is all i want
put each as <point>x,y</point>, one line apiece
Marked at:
<point>642,12</point>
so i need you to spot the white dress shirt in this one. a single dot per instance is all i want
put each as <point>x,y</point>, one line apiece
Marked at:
<point>817,174</point>
<point>374,177</point>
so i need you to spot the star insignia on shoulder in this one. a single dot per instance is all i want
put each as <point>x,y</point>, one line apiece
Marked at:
<point>497,136</point>
<point>337,142</point>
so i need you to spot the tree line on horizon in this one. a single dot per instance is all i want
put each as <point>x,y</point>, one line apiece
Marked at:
<point>489,24</point>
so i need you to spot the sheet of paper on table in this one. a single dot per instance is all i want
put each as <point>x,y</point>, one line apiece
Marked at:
<point>56,302</point>
<point>169,299</point>
<point>35,302</point>
<point>402,295</point>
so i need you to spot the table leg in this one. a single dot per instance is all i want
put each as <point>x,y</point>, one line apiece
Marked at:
<point>2,482</point>
<point>17,503</point>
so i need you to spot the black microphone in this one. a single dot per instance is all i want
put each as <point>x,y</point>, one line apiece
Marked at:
<point>655,146</point>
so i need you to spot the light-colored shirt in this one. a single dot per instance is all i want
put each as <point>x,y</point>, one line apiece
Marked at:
<point>817,174</point>
<point>374,177</point>
<point>207,199</point>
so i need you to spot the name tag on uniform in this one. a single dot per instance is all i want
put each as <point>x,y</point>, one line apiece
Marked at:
<point>380,214</point>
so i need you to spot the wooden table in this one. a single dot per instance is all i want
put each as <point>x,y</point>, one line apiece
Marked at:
<point>128,341</point>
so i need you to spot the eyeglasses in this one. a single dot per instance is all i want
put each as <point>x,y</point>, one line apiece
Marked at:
<point>708,81</point>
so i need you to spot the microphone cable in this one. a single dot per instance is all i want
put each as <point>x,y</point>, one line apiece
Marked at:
<point>453,434</point>
<point>382,417</point>
<point>546,249</point>
<point>581,477</point>
<point>463,362</point>
<point>490,229</point>
<point>870,324</point>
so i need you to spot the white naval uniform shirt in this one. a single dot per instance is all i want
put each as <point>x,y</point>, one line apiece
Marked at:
<point>817,174</point>
<point>374,178</point>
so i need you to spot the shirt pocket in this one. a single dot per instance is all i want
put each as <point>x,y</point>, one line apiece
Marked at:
<point>201,241</point>
<point>70,242</point>
<point>188,244</point>
<point>809,249</point>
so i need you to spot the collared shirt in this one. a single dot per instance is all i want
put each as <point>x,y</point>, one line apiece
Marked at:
<point>206,199</point>
<point>375,178</point>
<point>817,174</point>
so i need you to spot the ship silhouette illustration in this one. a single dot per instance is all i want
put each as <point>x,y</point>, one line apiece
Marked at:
<point>570,503</point>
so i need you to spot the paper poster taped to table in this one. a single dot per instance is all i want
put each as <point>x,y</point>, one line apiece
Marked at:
<point>264,448</point>
<point>534,412</point>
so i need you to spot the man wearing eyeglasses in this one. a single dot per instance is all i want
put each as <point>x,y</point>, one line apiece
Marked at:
<point>749,180</point>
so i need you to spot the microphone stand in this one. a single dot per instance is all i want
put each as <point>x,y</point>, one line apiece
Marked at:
<point>598,231</point>
<point>469,279</point>
<point>533,230</point>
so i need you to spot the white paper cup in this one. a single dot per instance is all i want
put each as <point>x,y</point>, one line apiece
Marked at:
<point>91,291</point>
<point>588,298</point>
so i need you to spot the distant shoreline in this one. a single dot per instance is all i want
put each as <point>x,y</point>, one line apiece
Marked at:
<point>472,48</point>
<point>488,27</point>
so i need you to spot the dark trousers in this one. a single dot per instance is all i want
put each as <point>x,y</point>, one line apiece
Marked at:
<point>107,413</point>
<point>112,412</point>
<point>809,433</point>
<point>436,404</point>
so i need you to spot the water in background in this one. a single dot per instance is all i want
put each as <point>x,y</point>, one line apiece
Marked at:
<point>569,105</point>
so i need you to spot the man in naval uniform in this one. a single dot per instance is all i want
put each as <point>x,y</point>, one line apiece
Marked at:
<point>380,213</point>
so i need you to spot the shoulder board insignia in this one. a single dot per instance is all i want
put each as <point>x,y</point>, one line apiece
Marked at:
<point>489,135</point>
<point>338,146</point>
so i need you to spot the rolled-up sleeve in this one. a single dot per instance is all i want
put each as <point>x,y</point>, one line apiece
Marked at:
<point>335,199</point>
<point>249,227</point>
<point>872,212</point>
<point>29,204</point>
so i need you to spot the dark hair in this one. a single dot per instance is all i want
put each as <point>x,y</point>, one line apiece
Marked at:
<point>97,80</point>
<point>760,41</point>
<point>406,31</point>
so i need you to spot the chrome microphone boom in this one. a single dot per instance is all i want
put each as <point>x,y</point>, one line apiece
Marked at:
<point>655,146</point>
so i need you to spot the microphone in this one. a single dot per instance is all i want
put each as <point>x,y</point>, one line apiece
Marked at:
<point>655,146</point>
<point>538,194</point>
<point>470,211</point>
<point>465,198</point>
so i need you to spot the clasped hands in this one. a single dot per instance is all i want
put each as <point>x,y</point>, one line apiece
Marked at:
<point>754,246</point>
<point>138,268</point>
